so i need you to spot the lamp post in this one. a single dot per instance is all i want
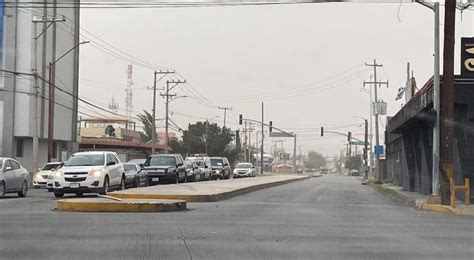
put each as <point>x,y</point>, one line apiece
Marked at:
<point>51,100</point>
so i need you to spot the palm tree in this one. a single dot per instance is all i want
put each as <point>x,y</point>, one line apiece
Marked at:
<point>147,120</point>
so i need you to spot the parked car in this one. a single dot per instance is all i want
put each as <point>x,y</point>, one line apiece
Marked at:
<point>165,168</point>
<point>207,165</point>
<point>244,170</point>
<point>40,179</point>
<point>220,168</point>
<point>135,175</point>
<point>137,161</point>
<point>193,172</point>
<point>299,169</point>
<point>13,178</point>
<point>89,172</point>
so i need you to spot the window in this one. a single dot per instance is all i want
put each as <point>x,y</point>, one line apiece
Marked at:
<point>7,164</point>
<point>15,165</point>
<point>19,148</point>
<point>85,160</point>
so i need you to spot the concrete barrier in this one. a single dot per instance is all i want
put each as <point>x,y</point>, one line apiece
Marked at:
<point>98,204</point>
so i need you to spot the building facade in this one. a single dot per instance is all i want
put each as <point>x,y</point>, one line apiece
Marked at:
<point>24,98</point>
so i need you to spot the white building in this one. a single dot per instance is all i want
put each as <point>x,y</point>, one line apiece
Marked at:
<point>19,106</point>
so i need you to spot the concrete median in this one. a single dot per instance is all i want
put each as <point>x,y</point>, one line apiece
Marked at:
<point>207,191</point>
<point>100,204</point>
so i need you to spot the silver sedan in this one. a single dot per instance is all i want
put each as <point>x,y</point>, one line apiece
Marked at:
<point>13,178</point>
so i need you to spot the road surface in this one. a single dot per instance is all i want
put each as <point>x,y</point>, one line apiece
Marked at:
<point>332,217</point>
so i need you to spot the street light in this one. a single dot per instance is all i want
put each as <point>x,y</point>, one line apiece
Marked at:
<point>51,100</point>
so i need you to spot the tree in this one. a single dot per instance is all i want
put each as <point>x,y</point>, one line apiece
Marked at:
<point>147,121</point>
<point>205,137</point>
<point>315,160</point>
<point>353,163</point>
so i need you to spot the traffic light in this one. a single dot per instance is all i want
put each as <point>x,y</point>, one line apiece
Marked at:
<point>349,136</point>
<point>322,131</point>
<point>240,119</point>
<point>270,127</point>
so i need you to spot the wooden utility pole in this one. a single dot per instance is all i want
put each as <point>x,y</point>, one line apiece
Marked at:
<point>376,112</point>
<point>447,104</point>
<point>225,112</point>
<point>155,81</point>
<point>168,98</point>
<point>366,145</point>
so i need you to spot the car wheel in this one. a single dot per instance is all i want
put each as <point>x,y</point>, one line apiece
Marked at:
<point>24,190</point>
<point>79,194</point>
<point>2,190</point>
<point>105,188</point>
<point>58,194</point>
<point>122,183</point>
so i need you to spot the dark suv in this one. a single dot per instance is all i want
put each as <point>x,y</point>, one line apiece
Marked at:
<point>165,168</point>
<point>220,168</point>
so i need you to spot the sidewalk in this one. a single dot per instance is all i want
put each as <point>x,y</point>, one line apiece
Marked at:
<point>420,201</point>
<point>208,190</point>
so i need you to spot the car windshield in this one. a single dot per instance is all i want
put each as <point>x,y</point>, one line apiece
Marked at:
<point>217,162</point>
<point>49,167</point>
<point>129,167</point>
<point>244,166</point>
<point>161,161</point>
<point>93,159</point>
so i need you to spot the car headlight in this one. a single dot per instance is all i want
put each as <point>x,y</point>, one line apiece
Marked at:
<point>50,177</point>
<point>59,173</point>
<point>36,175</point>
<point>235,170</point>
<point>95,173</point>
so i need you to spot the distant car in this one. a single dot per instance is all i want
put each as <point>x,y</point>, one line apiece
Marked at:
<point>220,168</point>
<point>324,171</point>
<point>299,169</point>
<point>89,172</point>
<point>244,170</point>
<point>40,179</point>
<point>13,178</point>
<point>135,175</point>
<point>193,172</point>
<point>165,168</point>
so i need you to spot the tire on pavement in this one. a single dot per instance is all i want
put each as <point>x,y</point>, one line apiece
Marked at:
<point>24,189</point>
<point>2,190</point>
<point>105,187</point>
<point>58,194</point>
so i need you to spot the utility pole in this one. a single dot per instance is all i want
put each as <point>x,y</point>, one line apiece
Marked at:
<point>168,98</point>
<point>36,120</point>
<point>225,112</point>
<point>294,155</point>
<point>377,143</point>
<point>245,142</point>
<point>447,104</point>
<point>436,98</point>
<point>366,145</point>
<point>153,136</point>
<point>261,146</point>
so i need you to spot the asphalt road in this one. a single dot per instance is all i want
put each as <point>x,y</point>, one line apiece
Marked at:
<point>332,217</point>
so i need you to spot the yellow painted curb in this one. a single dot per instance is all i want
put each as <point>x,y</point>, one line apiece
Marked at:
<point>437,208</point>
<point>104,205</point>
<point>205,197</point>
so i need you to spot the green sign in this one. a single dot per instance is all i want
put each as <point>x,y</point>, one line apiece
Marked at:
<point>357,143</point>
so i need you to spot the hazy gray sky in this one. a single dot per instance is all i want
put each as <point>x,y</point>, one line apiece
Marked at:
<point>304,61</point>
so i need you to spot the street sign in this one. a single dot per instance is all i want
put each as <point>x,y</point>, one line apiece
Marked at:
<point>378,149</point>
<point>280,134</point>
<point>357,143</point>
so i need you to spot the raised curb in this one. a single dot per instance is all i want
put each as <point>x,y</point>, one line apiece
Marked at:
<point>405,200</point>
<point>207,197</point>
<point>420,204</point>
<point>126,205</point>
